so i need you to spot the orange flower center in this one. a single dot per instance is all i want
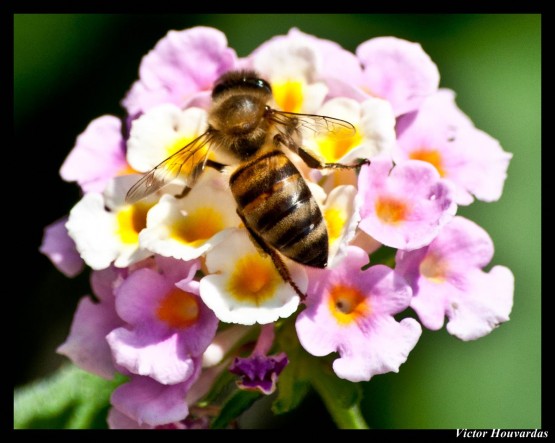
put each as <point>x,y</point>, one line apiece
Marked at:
<point>179,309</point>
<point>391,210</point>
<point>432,156</point>
<point>434,268</point>
<point>254,279</point>
<point>347,304</point>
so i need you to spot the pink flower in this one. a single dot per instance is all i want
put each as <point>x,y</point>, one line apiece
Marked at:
<point>168,324</point>
<point>98,155</point>
<point>440,134</point>
<point>404,207</point>
<point>146,401</point>
<point>181,65</point>
<point>350,311</point>
<point>398,71</point>
<point>60,248</point>
<point>448,280</point>
<point>86,344</point>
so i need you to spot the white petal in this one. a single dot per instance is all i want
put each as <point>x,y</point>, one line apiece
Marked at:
<point>94,231</point>
<point>209,207</point>
<point>162,131</point>
<point>216,293</point>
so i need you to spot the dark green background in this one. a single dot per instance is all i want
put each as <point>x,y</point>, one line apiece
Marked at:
<point>71,68</point>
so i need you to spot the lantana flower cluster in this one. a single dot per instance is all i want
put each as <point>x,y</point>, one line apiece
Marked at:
<point>180,293</point>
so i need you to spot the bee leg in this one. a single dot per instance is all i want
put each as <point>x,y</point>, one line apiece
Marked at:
<point>215,165</point>
<point>211,164</point>
<point>278,262</point>
<point>183,193</point>
<point>312,161</point>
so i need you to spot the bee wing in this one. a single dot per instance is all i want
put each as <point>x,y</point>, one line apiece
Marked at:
<point>189,161</point>
<point>318,124</point>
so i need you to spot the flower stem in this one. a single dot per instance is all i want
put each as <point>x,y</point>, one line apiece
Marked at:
<point>342,400</point>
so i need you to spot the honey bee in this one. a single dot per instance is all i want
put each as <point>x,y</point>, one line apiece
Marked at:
<point>273,200</point>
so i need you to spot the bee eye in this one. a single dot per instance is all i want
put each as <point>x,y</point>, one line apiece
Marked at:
<point>240,79</point>
<point>258,83</point>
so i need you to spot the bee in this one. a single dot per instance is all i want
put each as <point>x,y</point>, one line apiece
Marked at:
<point>273,200</point>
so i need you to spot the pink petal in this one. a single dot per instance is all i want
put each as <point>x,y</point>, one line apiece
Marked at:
<point>98,155</point>
<point>151,355</point>
<point>430,302</point>
<point>484,306</point>
<point>118,420</point>
<point>471,160</point>
<point>86,344</point>
<point>170,72</point>
<point>398,71</point>
<point>139,295</point>
<point>464,245</point>
<point>147,401</point>
<point>382,349</point>
<point>418,187</point>
<point>485,168</point>
<point>59,247</point>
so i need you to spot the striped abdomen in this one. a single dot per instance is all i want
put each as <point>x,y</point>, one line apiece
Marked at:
<point>277,205</point>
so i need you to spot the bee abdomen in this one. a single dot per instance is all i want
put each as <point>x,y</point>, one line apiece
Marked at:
<point>277,204</point>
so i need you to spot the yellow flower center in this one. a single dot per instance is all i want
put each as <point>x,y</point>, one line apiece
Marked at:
<point>131,220</point>
<point>254,279</point>
<point>195,158</point>
<point>178,309</point>
<point>347,304</point>
<point>432,156</point>
<point>197,226</point>
<point>434,268</point>
<point>289,95</point>
<point>335,221</point>
<point>333,148</point>
<point>391,210</point>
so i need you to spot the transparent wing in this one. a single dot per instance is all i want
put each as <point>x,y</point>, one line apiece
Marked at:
<point>290,122</point>
<point>189,161</point>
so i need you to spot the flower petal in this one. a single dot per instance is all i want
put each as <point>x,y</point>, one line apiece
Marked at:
<point>98,155</point>
<point>487,304</point>
<point>398,71</point>
<point>60,248</point>
<point>170,72</point>
<point>147,401</point>
<point>160,358</point>
<point>86,344</point>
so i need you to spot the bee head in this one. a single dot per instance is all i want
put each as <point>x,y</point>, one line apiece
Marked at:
<point>240,80</point>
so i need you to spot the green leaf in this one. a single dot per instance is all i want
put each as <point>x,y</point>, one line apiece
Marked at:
<point>237,403</point>
<point>383,255</point>
<point>293,384</point>
<point>69,399</point>
<point>341,397</point>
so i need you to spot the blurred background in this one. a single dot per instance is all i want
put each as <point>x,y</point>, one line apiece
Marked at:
<point>71,68</point>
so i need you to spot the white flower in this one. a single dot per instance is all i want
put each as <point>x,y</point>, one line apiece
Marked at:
<point>375,131</point>
<point>185,228</point>
<point>106,229</point>
<point>245,287</point>
<point>161,132</point>
<point>341,215</point>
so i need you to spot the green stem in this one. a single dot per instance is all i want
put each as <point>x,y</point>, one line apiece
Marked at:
<point>345,417</point>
